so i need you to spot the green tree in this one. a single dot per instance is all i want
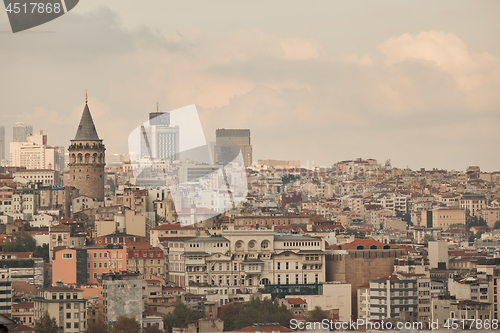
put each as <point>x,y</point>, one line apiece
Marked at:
<point>46,324</point>
<point>317,315</point>
<point>496,225</point>
<point>20,242</point>
<point>181,316</point>
<point>126,325</point>
<point>229,315</point>
<point>236,316</point>
<point>97,327</point>
<point>42,252</point>
<point>428,238</point>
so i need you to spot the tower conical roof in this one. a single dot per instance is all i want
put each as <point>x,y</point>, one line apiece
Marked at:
<point>86,129</point>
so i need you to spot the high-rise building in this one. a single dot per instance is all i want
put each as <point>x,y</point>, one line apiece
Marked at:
<point>21,131</point>
<point>163,139</point>
<point>87,159</point>
<point>227,142</point>
<point>35,153</point>
<point>2,143</point>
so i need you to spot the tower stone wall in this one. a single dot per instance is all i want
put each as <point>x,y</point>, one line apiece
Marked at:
<point>87,159</point>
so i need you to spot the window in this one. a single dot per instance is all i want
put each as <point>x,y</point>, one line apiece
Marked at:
<point>68,325</point>
<point>67,255</point>
<point>68,315</point>
<point>68,305</point>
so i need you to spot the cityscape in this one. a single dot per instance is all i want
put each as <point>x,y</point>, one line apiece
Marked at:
<point>249,167</point>
<point>93,241</point>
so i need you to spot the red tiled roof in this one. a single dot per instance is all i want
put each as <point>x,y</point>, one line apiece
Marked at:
<point>295,301</point>
<point>60,225</point>
<point>20,255</point>
<point>24,305</point>
<point>23,328</point>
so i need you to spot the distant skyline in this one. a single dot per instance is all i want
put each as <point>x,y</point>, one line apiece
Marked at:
<point>320,82</point>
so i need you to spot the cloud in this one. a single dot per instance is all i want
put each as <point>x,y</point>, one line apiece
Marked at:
<point>299,101</point>
<point>477,75</point>
<point>301,48</point>
<point>354,59</point>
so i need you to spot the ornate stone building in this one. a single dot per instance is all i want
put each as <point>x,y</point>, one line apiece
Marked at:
<point>87,160</point>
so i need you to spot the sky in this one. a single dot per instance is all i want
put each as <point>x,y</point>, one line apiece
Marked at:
<point>414,82</point>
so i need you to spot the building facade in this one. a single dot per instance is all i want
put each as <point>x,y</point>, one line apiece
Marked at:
<point>65,304</point>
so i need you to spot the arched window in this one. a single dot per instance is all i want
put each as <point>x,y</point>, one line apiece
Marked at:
<point>360,247</point>
<point>373,247</point>
<point>80,158</point>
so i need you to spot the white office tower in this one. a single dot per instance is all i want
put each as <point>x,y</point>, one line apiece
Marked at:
<point>163,138</point>
<point>34,153</point>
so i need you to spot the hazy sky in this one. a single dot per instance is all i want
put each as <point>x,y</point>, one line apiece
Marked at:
<point>415,82</point>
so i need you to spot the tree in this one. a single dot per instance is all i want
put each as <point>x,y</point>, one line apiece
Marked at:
<point>428,238</point>
<point>42,252</point>
<point>20,242</point>
<point>496,225</point>
<point>97,327</point>
<point>181,316</point>
<point>46,324</point>
<point>236,316</point>
<point>317,315</point>
<point>126,325</point>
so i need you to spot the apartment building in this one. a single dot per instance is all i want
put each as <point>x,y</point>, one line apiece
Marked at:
<point>23,313</point>
<point>462,312</point>
<point>22,267</point>
<point>122,296</point>
<point>65,304</point>
<point>166,231</point>
<point>442,218</point>
<point>148,261</point>
<point>5,296</point>
<point>474,203</point>
<point>245,260</point>
<point>59,235</point>
<point>105,260</point>
<point>394,296</point>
